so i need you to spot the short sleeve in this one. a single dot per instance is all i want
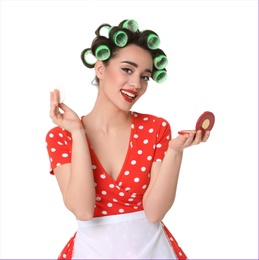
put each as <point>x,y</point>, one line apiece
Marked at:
<point>162,139</point>
<point>59,145</point>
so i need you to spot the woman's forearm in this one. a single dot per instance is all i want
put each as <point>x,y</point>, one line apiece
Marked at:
<point>80,191</point>
<point>162,193</point>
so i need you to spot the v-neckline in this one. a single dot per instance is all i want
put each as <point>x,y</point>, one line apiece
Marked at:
<point>125,158</point>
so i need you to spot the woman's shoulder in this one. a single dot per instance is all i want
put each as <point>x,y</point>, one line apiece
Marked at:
<point>149,118</point>
<point>58,133</point>
<point>155,125</point>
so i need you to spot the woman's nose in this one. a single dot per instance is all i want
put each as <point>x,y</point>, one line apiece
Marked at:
<point>135,82</point>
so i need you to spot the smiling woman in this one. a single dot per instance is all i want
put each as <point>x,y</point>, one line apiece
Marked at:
<point>118,169</point>
<point>126,75</point>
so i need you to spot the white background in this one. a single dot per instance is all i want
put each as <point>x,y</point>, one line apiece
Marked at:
<point>212,48</point>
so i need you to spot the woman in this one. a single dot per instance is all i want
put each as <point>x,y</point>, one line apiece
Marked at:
<point>118,169</point>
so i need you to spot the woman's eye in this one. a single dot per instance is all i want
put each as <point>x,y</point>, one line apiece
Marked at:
<point>146,78</point>
<point>127,70</point>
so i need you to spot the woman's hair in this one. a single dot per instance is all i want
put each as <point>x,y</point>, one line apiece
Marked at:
<point>127,32</point>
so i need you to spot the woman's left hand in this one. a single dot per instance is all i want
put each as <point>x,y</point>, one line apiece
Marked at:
<point>181,142</point>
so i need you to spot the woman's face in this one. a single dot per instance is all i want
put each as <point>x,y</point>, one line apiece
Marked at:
<point>126,77</point>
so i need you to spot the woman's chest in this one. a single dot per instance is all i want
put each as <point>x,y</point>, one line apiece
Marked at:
<point>132,170</point>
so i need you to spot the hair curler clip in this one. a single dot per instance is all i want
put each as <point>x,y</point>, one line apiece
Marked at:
<point>102,52</point>
<point>160,76</point>
<point>88,58</point>
<point>131,25</point>
<point>160,62</point>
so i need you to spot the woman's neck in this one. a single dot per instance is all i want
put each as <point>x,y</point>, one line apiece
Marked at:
<point>107,118</point>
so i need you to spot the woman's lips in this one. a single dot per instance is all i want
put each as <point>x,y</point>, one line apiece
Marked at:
<point>128,95</point>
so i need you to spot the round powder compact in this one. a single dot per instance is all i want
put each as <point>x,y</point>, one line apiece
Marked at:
<point>204,123</point>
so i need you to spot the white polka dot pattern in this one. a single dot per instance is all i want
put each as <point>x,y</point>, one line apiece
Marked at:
<point>148,143</point>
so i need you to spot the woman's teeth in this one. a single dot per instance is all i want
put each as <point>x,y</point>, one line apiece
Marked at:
<point>128,94</point>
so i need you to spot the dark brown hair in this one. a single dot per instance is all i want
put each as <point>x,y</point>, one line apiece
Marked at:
<point>138,38</point>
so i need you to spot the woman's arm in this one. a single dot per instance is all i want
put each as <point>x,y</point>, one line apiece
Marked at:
<point>160,195</point>
<point>75,179</point>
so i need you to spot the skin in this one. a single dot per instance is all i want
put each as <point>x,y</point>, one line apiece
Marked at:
<point>107,128</point>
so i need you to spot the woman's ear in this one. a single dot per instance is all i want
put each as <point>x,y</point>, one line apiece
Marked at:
<point>99,69</point>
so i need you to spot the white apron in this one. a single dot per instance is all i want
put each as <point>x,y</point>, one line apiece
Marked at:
<point>128,235</point>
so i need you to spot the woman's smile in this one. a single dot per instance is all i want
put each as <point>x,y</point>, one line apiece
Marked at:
<point>128,95</point>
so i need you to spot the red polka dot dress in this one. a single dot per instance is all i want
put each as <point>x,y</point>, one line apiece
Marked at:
<point>121,197</point>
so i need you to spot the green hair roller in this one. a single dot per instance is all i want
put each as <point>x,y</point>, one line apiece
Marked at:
<point>131,25</point>
<point>103,30</point>
<point>153,41</point>
<point>88,58</point>
<point>160,76</point>
<point>102,52</point>
<point>120,38</point>
<point>160,62</point>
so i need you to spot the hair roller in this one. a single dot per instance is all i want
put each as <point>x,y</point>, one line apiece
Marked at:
<point>131,25</point>
<point>102,52</point>
<point>88,58</point>
<point>160,62</point>
<point>118,35</point>
<point>103,30</point>
<point>160,76</point>
<point>152,39</point>
<point>109,39</point>
<point>101,48</point>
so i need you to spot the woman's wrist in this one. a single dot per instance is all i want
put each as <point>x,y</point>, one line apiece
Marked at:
<point>78,132</point>
<point>174,152</point>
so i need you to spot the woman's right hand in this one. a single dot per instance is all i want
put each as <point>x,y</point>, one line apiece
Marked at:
<point>67,119</point>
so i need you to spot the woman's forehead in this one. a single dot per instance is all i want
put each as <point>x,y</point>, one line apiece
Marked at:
<point>135,54</point>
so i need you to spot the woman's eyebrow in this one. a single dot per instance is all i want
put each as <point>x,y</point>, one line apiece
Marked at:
<point>136,65</point>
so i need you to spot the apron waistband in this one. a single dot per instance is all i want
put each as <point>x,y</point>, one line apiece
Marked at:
<point>112,219</point>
